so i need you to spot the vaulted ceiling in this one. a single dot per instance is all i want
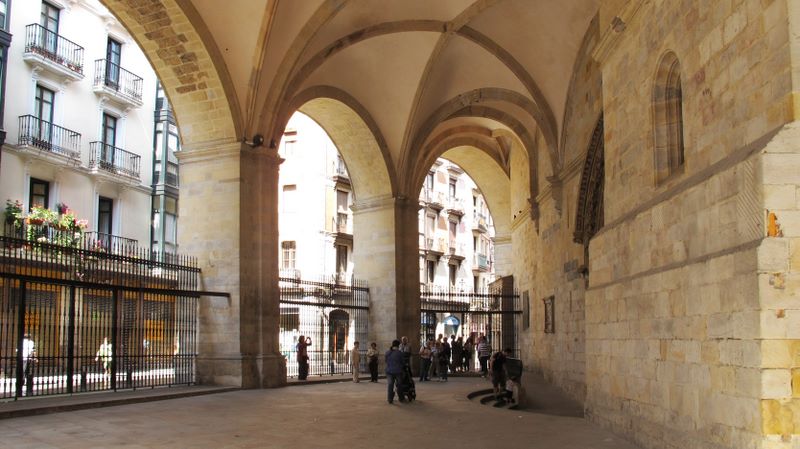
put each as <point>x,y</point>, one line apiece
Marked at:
<point>423,71</point>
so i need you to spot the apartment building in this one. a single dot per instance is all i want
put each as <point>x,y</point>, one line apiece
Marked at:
<point>79,110</point>
<point>316,226</point>
<point>455,232</point>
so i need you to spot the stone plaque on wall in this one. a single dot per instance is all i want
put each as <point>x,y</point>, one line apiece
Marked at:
<point>549,315</point>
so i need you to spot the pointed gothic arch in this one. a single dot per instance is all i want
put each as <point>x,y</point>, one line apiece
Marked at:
<point>589,214</point>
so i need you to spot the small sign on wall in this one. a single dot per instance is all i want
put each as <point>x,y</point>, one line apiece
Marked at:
<point>549,315</point>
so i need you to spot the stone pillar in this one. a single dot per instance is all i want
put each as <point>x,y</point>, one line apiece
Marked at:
<point>503,255</point>
<point>385,254</point>
<point>228,214</point>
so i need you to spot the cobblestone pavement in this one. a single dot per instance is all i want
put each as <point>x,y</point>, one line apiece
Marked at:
<point>339,415</point>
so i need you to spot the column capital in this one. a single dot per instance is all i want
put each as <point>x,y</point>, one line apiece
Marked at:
<point>373,204</point>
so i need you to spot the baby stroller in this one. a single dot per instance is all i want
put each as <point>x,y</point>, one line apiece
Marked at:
<point>406,389</point>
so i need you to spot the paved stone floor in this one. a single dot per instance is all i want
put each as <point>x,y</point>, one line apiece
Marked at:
<point>338,415</point>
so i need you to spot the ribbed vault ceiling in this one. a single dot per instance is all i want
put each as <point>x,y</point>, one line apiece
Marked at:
<point>424,71</point>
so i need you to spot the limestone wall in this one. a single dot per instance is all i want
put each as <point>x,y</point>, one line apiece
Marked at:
<point>674,327</point>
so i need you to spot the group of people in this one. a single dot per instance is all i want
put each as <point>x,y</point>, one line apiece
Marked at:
<point>440,356</point>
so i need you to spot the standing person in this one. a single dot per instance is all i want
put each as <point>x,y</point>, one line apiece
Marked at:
<point>436,349</point>
<point>405,348</point>
<point>467,353</point>
<point>355,362</point>
<point>444,361</point>
<point>302,357</point>
<point>394,368</point>
<point>372,361</point>
<point>28,359</point>
<point>425,354</point>
<point>458,348</point>
<point>484,352</point>
<point>497,365</point>
<point>104,355</point>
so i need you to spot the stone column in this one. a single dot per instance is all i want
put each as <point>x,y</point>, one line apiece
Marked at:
<point>503,255</point>
<point>385,254</point>
<point>228,214</point>
<point>208,229</point>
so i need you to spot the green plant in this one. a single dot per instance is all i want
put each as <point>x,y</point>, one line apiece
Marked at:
<point>13,212</point>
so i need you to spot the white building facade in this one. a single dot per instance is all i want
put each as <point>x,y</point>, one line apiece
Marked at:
<point>456,234</point>
<point>78,117</point>
<point>316,226</point>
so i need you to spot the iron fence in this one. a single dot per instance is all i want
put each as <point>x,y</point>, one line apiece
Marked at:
<point>495,313</point>
<point>75,320</point>
<point>334,312</point>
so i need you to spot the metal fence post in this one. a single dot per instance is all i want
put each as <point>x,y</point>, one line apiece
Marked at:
<point>20,337</point>
<point>114,332</point>
<point>71,339</point>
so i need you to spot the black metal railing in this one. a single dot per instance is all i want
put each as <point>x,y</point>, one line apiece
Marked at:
<point>334,312</point>
<point>109,243</point>
<point>114,160</point>
<point>73,319</point>
<point>49,137</point>
<point>49,45</point>
<point>112,76</point>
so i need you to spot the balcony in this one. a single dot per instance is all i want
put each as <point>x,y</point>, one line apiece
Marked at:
<point>117,84</point>
<point>433,247</point>
<point>340,175</point>
<point>108,243</point>
<point>455,207</point>
<point>433,200</point>
<point>480,263</point>
<point>48,141</point>
<point>341,230</point>
<point>110,160</point>
<point>479,223</point>
<point>456,252</point>
<point>49,51</point>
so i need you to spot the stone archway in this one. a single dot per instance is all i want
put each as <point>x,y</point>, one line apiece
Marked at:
<point>589,216</point>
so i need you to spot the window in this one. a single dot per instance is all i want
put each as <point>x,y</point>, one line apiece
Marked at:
<point>49,21</point>
<point>341,259</point>
<point>453,270</point>
<point>431,265</point>
<point>43,106</point>
<point>109,136</point>
<point>430,226</point>
<point>429,181</point>
<point>105,210</point>
<point>4,14</point>
<point>452,187</point>
<point>113,60</point>
<point>668,118</point>
<point>170,220</point>
<point>288,249</point>
<point>289,198</point>
<point>452,225</point>
<point>39,193</point>
<point>342,201</point>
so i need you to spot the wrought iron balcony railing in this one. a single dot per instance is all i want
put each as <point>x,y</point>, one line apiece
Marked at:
<point>109,243</point>
<point>481,261</point>
<point>49,45</point>
<point>112,76</point>
<point>113,159</point>
<point>49,137</point>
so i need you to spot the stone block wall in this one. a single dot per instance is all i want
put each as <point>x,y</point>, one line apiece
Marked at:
<point>675,320</point>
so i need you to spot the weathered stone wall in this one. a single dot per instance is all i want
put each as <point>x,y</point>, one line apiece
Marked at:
<point>673,322</point>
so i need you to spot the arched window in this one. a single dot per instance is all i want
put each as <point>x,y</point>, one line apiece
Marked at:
<point>668,118</point>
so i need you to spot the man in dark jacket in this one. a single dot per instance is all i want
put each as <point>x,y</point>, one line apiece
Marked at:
<point>394,368</point>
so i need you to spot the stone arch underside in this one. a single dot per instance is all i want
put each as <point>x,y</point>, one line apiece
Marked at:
<point>189,65</point>
<point>589,215</point>
<point>357,138</point>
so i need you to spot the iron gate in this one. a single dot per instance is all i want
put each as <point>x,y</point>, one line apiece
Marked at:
<point>495,313</point>
<point>77,320</point>
<point>334,312</point>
